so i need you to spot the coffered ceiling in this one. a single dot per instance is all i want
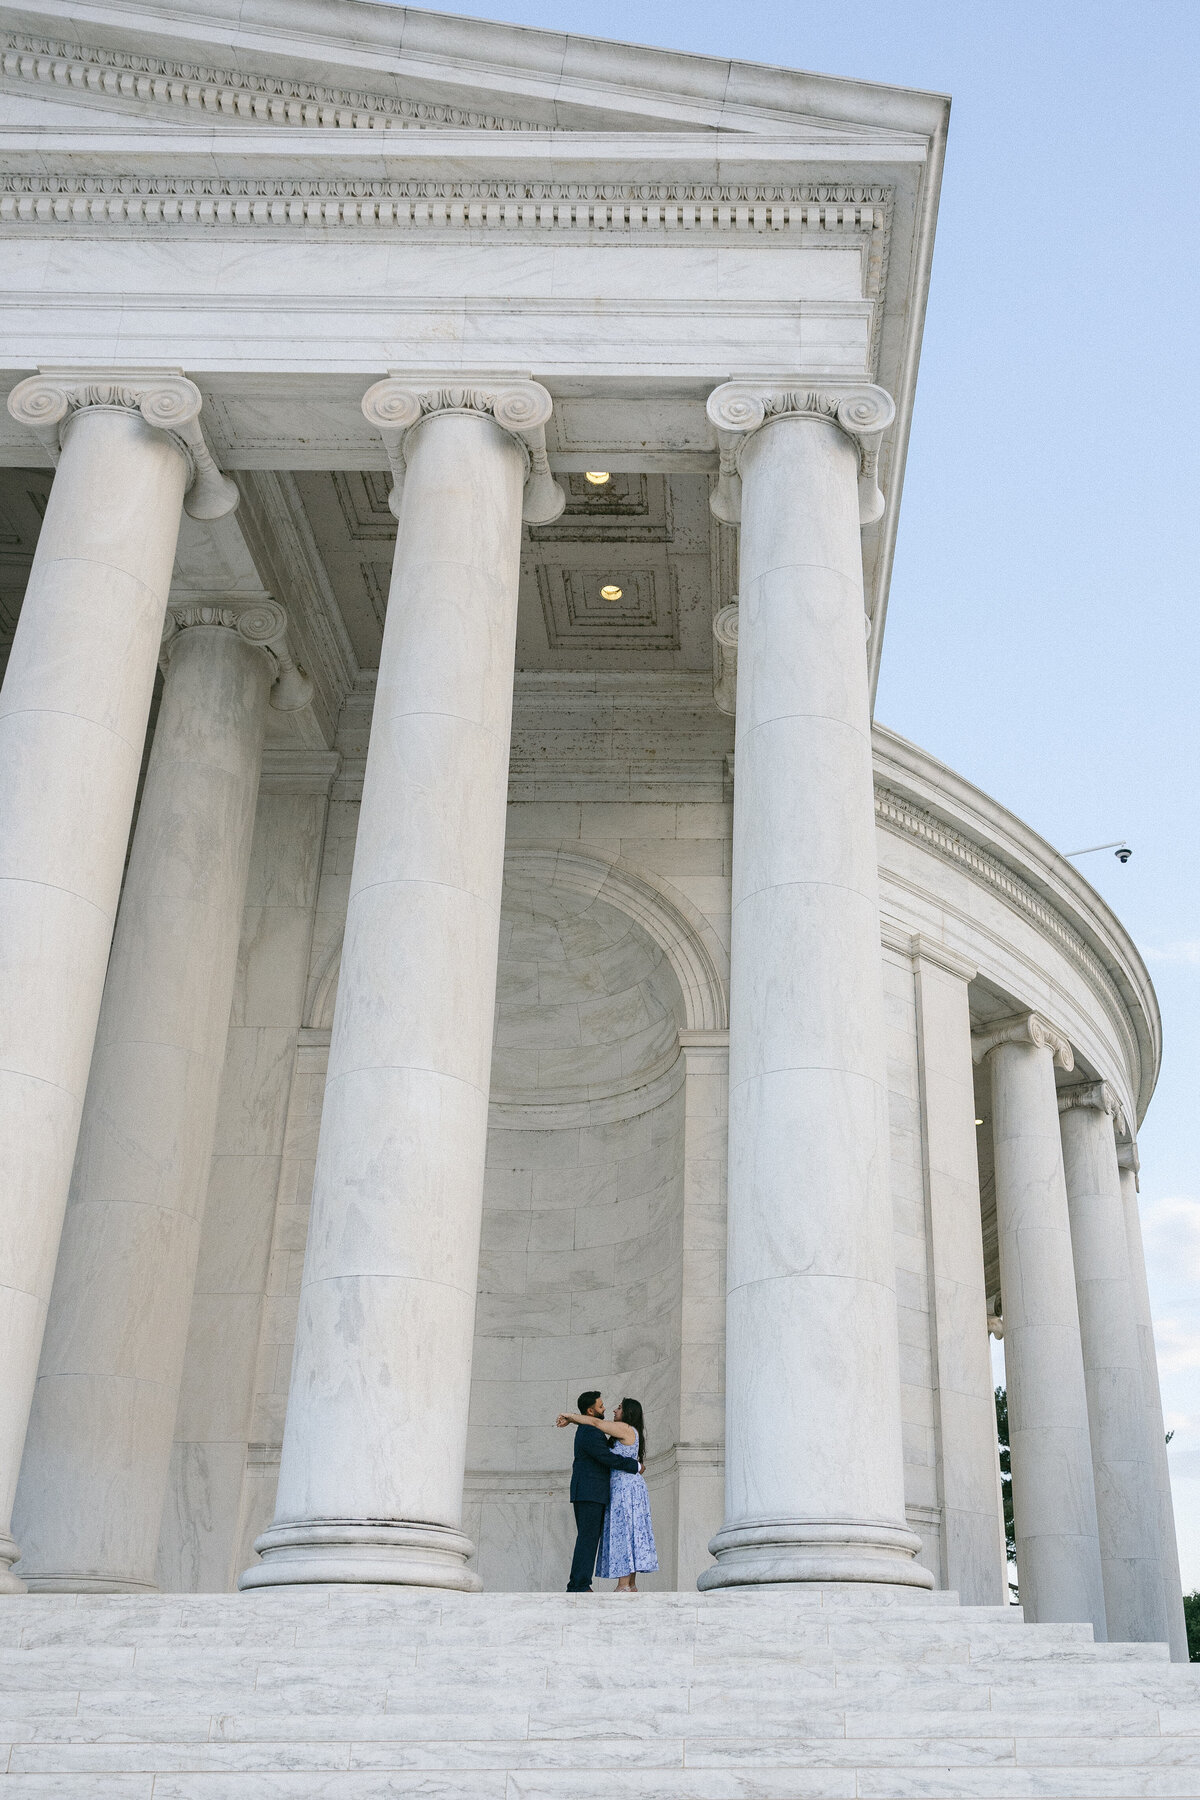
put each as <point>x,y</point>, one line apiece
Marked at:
<point>628,578</point>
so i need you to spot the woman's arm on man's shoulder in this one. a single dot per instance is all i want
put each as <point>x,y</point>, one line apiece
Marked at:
<point>625,1434</point>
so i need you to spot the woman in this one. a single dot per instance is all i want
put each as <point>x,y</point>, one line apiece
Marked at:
<point>627,1548</point>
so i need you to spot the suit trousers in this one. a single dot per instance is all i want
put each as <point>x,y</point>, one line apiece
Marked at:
<point>589,1525</point>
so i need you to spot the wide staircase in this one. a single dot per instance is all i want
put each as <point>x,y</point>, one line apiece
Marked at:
<point>347,1694</point>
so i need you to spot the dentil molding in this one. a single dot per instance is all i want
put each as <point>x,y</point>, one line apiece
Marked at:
<point>740,408</point>
<point>519,406</point>
<point>1024,1028</point>
<point>261,622</point>
<point>198,88</point>
<point>48,401</point>
<point>69,197</point>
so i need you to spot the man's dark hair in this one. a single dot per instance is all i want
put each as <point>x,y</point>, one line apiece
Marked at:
<point>587,1400</point>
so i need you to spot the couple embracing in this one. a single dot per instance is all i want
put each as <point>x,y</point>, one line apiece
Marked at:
<point>608,1493</point>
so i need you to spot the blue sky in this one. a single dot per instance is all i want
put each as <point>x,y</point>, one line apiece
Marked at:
<point>1042,633</point>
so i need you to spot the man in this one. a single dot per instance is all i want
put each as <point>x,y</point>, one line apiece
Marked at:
<point>591,1476</point>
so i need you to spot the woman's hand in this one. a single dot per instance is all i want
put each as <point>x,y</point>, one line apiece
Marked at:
<point>567,1419</point>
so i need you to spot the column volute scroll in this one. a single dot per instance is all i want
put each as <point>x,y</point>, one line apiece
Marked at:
<point>260,621</point>
<point>521,407</point>
<point>738,409</point>
<point>50,401</point>
<point>1098,1096</point>
<point>1023,1028</point>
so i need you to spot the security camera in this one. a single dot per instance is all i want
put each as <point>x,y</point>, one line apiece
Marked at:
<point>1124,853</point>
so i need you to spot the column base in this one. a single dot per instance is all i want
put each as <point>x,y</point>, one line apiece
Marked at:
<point>363,1551</point>
<point>777,1551</point>
<point>10,1552</point>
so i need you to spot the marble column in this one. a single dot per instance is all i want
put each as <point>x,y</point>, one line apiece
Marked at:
<point>967,1454</point>
<point>814,1480</point>
<point>73,714</point>
<point>371,1474</point>
<point>1126,1493</point>
<point>93,1480</point>
<point>699,1454</point>
<point>1168,1547</point>
<point>1058,1551</point>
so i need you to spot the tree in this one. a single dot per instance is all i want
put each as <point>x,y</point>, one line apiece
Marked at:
<point>1010,1535</point>
<point>1191,1612</point>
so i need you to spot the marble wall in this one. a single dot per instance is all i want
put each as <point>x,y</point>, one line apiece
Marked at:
<point>602,1259</point>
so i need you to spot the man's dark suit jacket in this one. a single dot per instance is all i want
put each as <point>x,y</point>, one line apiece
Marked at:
<point>593,1465</point>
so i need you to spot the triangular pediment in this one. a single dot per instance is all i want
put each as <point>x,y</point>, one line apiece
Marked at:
<point>351,65</point>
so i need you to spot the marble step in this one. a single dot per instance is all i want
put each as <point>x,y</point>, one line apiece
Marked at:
<point>348,1695</point>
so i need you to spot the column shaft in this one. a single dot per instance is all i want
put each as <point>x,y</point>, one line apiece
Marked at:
<point>814,1486</point>
<point>699,1453</point>
<point>370,1485</point>
<point>94,1476</point>
<point>1168,1547</point>
<point>73,714</point>
<point>1126,1493</point>
<point>968,1465</point>
<point>1058,1554</point>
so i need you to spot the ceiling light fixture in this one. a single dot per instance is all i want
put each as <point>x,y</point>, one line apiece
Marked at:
<point>611,592</point>
<point>597,477</point>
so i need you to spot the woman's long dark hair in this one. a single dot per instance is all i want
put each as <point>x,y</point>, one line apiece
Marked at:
<point>631,1414</point>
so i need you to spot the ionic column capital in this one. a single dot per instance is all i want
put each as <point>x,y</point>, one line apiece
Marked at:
<point>1096,1094</point>
<point>261,622</point>
<point>725,649</point>
<point>740,408</point>
<point>49,401</point>
<point>1024,1028</point>
<point>518,406</point>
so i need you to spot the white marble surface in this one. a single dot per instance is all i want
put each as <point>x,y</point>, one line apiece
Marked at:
<point>1054,1499</point>
<point>1122,1456</point>
<point>94,1474</point>
<point>814,1461</point>
<point>73,713</point>
<point>377,1412</point>
<point>366,1696</point>
<point>968,1467</point>
<point>1168,1547</point>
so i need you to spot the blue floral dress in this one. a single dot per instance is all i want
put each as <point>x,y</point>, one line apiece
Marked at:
<point>627,1547</point>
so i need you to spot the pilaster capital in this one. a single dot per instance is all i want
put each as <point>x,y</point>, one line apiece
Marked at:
<point>49,401</point>
<point>740,408</point>
<point>1096,1094</point>
<point>517,405</point>
<point>260,621</point>
<point>1023,1028</point>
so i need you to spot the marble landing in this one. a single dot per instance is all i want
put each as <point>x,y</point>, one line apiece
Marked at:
<point>362,1694</point>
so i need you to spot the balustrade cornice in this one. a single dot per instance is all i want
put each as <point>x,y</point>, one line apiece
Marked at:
<point>517,405</point>
<point>738,409</point>
<point>49,402</point>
